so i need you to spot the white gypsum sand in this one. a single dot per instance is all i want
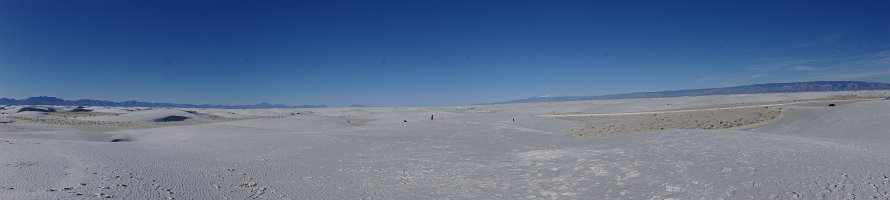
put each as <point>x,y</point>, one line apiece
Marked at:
<point>812,151</point>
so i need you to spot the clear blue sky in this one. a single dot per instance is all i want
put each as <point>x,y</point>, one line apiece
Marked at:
<point>427,52</point>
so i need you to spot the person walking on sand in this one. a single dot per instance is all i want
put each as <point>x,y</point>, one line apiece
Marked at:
<point>432,117</point>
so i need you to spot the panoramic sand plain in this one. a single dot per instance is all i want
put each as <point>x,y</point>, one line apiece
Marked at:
<point>776,146</point>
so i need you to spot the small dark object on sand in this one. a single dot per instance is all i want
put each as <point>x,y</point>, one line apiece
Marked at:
<point>25,109</point>
<point>120,140</point>
<point>831,105</point>
<point>172,118</point>
<point>405,120</point>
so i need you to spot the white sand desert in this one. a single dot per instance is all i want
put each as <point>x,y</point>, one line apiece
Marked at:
<point>763,146</point>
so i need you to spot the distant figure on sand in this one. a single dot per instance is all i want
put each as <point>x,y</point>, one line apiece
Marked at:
<point>432,117</point>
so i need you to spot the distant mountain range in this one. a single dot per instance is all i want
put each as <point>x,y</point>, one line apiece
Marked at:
<point>816,86</point>
<point>89,102</point>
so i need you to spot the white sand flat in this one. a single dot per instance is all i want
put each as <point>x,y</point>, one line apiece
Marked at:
<point>468,152</point>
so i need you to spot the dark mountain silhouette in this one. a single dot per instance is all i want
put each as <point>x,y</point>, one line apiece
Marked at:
<point>816,86</point>
<point>43,100</point>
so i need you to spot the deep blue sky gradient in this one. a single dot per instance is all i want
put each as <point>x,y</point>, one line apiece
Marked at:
<point>427,52</point>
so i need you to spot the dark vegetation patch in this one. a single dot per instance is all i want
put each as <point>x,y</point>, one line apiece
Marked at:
<point>120,140</point>
<point>81,110</point>
<point>25,109</point>
<point>831,105</point>
<point>192,112</point>
<point>172,118</point>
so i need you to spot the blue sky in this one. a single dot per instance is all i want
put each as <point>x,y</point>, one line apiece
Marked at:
<point>427,52</point>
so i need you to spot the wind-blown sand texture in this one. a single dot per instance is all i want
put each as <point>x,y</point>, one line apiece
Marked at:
<point>812,151</point>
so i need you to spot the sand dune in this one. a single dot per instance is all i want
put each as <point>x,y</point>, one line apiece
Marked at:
<point>712,147</point>
<point>725,118</point>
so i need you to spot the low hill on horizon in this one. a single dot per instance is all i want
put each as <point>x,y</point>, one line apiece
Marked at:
<point>814,86</point>
<point>44,100</point>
